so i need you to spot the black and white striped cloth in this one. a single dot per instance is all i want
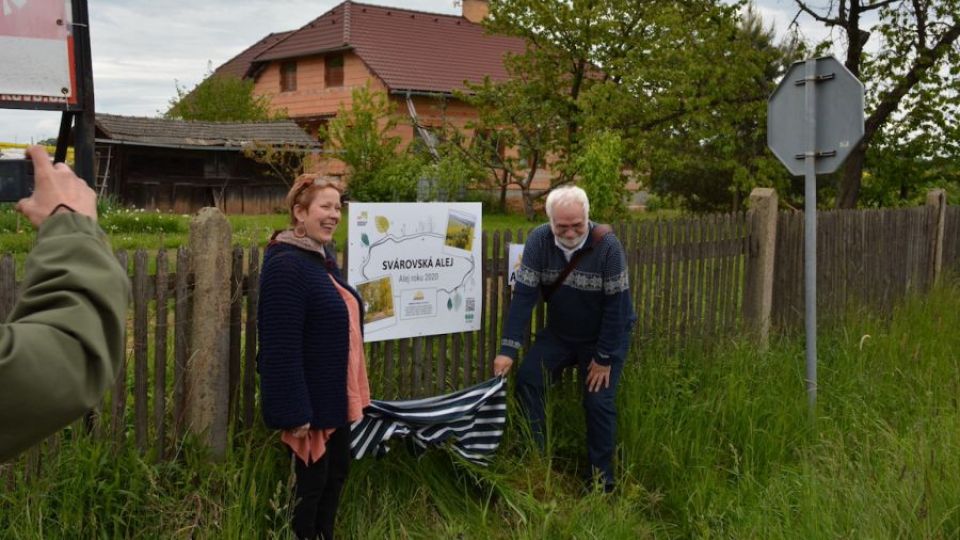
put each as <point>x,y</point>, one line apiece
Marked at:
<point>471,419</point>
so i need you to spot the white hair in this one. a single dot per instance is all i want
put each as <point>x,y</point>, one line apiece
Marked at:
<point>565,196</point>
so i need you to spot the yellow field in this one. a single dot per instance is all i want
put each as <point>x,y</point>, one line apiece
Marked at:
<point>50,150</point>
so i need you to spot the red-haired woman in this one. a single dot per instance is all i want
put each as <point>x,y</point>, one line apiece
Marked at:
<point>313,381</point>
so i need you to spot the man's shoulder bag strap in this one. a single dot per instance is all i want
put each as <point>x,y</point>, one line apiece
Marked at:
<point>599,231</point>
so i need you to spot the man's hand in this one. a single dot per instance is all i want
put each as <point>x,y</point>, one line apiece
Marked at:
<point>300,432</point>
<point>598,377</point>
<point>54,185</point>
<point>502,364</point>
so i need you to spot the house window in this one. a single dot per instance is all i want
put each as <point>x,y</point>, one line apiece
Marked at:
<point>333,70</point>
<point>288,76</point>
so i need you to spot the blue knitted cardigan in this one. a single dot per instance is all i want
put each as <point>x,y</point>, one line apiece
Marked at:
<point>304,339</point>
<point>592,306</point>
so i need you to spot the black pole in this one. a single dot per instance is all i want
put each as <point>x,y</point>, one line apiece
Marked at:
<point>85,119</point>
<point>63,137</point>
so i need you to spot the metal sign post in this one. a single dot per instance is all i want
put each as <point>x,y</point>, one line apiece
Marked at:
<point>810,228</point>
<point>814,121</point>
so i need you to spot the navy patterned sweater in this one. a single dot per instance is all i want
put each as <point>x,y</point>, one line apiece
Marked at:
<point>304,339</point>
<point>593,305</point>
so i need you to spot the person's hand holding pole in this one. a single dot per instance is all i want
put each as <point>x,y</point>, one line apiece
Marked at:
<point>55,187</point>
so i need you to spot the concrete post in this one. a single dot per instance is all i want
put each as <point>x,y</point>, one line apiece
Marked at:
<point>758,289</point>
<point>937,202</point>
<point>207,373</point>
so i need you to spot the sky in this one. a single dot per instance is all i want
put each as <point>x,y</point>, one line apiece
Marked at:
<point>143,48</point>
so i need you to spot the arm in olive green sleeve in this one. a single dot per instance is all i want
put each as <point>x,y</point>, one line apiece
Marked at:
<point>64,341</point>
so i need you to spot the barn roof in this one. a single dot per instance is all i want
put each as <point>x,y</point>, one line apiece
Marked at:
<point>211,135</point>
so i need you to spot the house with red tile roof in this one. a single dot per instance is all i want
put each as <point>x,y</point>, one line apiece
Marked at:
<point>418,59</point>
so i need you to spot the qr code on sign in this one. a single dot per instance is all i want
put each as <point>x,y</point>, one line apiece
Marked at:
<point>471,304</point>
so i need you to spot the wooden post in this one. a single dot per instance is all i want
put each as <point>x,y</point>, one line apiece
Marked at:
<point>758,289</point>
<point>937,202</point>
<point>207,376</point>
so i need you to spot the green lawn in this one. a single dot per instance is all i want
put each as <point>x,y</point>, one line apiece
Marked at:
<point>714,443</point>
<point>132,229</point>
<point>135,229</point>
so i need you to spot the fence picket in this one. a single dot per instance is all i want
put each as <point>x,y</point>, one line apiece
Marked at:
<point>236,314</point>
<point>457,370</point>
<point>160,354</point>
<point>468,359</point>
<point>181,339</point>
<point>140,301</point>
<point>250,358</point>
<point>696,301</point>
<point>120,385</point>
<point>485,307</point>
<point>495,316</point>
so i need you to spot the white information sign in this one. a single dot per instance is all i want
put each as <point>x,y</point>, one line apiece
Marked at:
<point>417,267</point>
<point>513,262</point>
<point>35,49</point>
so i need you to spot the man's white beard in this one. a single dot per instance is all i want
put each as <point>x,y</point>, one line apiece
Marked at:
<point>570,244</point>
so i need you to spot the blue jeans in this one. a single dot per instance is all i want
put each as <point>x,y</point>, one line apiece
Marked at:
<point>548,356</point>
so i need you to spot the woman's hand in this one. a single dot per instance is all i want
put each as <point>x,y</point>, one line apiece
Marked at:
<point>300,432</point>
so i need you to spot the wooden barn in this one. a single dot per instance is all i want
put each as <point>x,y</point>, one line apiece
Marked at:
<point>180,166</point>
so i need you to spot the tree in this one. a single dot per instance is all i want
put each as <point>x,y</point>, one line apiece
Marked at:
<point>449,175</point>
<point>690,99</point>
<point>538,114</point>
<point>515,133</point>
<point>221,98</point>
<point>377,167</point>
<point>902,167</point>
<point>600,167</point>
<point>283,162</point>
<point>681,83</point>
<point>911,76</point>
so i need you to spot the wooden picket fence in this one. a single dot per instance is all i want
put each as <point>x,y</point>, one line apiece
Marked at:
<point>688,282</point>
<point>870,258</point>
<point>951,238</point>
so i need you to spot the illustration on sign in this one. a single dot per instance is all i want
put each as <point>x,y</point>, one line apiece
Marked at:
<point>417,267</point>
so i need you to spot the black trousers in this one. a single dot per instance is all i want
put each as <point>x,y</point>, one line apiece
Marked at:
<point>318,488</point>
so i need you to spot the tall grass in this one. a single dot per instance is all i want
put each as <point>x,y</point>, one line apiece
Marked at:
<point>716,442</point>
<point>93,489</point>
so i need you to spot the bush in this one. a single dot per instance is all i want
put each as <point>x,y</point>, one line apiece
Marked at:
<point>601,178</point>
<point>396,181</point>
<point>450,177</point>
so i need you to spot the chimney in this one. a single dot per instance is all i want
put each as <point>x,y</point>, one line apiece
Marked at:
<point>475,11</point>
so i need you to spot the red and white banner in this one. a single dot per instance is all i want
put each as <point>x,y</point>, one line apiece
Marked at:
<point>36,50</point>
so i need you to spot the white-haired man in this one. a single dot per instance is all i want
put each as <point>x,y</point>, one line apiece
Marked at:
<point>580,269</point>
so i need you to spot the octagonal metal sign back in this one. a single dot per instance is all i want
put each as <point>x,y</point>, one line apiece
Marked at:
<point>838,117</point>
